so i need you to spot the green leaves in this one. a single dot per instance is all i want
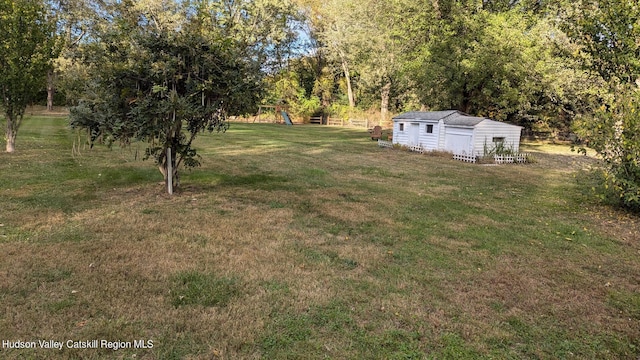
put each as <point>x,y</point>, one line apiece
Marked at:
<point>507,64</point>
<point>27,47</point>
<point>608,33</point>
<point>162,87</point>
<point>614,133</point>
<point>158,88</point>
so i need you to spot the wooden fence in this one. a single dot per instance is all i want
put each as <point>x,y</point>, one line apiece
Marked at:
<point>359,123</point>
<point>335,122</point>
<point>362,123</point>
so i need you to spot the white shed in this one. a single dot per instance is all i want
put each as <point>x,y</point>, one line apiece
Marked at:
<point>454,131</point>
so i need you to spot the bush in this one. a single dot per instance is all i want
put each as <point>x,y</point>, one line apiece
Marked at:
<point>497,148</point>
<point>614,133</point>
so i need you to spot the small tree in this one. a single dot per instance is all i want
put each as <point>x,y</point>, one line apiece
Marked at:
<point>27,47</point>
<point>163,88</point>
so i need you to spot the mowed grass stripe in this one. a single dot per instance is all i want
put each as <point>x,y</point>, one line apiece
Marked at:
<point>311,242</point>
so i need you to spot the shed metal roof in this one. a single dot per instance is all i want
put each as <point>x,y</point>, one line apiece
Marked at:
<point>463,120</point>
<point>426,115</point>
<point>449,117</point>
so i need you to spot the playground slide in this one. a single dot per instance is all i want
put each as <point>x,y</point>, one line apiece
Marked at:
<point>285,116</point>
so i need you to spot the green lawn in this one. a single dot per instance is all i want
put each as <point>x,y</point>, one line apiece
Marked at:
<point>310,242</point>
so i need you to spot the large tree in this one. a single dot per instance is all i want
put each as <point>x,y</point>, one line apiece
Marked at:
<point>362,38</point>
<point>499,61</point>
<point>334,24</point>
<point>608,32</point>
<point>382,55</point>
<point>27,47</point>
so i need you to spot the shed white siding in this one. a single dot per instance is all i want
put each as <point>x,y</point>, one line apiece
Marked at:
<point>415,133</point>
<point>487,130</point>
<point>400,136</point>
<point>441,133</point>
<point>428,140</point>
<point>453,131</point>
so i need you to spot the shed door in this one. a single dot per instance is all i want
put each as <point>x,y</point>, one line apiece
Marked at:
<point>414,134</point>
<point>458,143</point>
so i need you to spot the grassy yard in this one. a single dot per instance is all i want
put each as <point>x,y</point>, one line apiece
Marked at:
<point>310,242</point>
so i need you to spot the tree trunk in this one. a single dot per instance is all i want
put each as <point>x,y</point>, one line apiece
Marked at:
<point>384,102</point>
<point>352,100</point>
<point>50,90</point>
<point>175,181</point>
<point>165,171</point>
<point>10,136</point>
<point>347,76</point>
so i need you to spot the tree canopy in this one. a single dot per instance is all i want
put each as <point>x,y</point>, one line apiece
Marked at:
<point>537,64</point>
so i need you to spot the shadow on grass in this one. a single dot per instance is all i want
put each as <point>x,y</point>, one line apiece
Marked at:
<point>207,180</point>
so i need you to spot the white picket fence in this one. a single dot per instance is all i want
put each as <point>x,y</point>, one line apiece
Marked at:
<point>465,158</point>
<point>385,144</point>
<point>510,159</point>
<point>414,148</point>
<point>497,159</point>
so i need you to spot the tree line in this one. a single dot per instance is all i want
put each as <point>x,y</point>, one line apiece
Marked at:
<point>147,69</point>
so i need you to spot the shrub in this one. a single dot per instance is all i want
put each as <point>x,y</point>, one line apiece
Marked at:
<point>614,133</point>
<point>498,148</point>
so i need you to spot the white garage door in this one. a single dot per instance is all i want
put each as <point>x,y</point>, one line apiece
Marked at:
<point>458,143</point>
